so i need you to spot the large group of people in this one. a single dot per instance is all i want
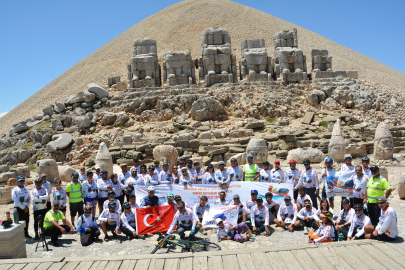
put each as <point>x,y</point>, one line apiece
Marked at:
<point>366,215</point>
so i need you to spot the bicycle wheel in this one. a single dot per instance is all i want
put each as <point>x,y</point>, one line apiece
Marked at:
<point>160,244</point>
<point>205,246</point>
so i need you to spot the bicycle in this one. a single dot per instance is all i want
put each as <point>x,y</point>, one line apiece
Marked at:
<point>186,245</point>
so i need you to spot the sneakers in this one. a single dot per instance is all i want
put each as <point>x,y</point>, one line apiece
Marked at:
<point>142,237</point>
<point>286,227</point>
<point>292,229</point>
<point>305,230</point>
<point>253,238</point>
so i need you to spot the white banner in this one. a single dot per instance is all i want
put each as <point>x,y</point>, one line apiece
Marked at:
<point>228,213</point>
<point>192,194</point>
<point>341,184</point>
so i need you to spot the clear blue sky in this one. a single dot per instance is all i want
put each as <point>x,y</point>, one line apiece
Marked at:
<point>42,39</point>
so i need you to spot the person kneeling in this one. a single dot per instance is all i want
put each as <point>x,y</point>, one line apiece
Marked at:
<point>128,224</point>
<point>226,231</point>
<point>87,227</point>
<point>51,224</point>
<point>308,217</point>
<point>287,215</point>
<point>325,233</point>
<point>110,220</point>
<point>360,224</point>
<point>186,219</point>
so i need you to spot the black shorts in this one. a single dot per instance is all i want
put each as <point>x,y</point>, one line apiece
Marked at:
<point>101,201</point>
<point>382,237</point>
<point>110,227</point>
<point>76,208</point>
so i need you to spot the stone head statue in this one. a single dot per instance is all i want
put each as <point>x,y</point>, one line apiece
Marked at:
<point>383,142</point>
<point>258,149</point>
<point>104,159</point>
<point>144,45</point>
<point>286,38</point>
<point>337,144</point>
<point>166,153</point>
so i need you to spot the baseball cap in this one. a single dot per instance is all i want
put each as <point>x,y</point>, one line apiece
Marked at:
<point>236,196</point>
<point>259,198</point>
<point>165,163</point>
<point>218,220</point>
<point>103,172</point>
<point>277,161</point>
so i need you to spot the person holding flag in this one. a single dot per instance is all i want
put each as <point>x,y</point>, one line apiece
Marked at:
<point>328,175</point>
<point>128,222</point>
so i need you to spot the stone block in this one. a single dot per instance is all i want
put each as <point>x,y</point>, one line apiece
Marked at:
<point>339,74</point>
<point>48,167</point>
<point>308,117</point>
<point>59,142</point>
<point>142,148</point>
<point>352,74</point>
<point>253,125</point>
<point>97,90</point>
<point>194,143</point>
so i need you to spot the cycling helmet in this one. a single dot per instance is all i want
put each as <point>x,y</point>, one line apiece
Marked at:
<point>358,206</point>
<point>345,201</point>
<point>169,195</point>
<point>20,178</point>
<point>266,163</point>
<point>88,208</point>
<point>306,161</point>
<point>126,205</point>
<point>203,198</point>
<point>135,159</point>
<point>111,192</point>
<point>210,166</point>
<point>254,191</point>
<point>75,174</point>
<point>221,163</point>
<point>151,188</point>
<point>177,197</point>
<point>112,205</point>
<point>329,160</point>
<point>151,167</point>
<point>38,180</point>
<point>365,159</point>
<point>233,159</point>
<point>268,194</point>
<point>292,161</point>
<point>143,166</point>
<point>259,198</point>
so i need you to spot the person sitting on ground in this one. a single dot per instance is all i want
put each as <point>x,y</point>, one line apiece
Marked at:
<point>259,216</point>
<point>234,171</point>
<point>252,201</point>
<point>186,221</point>
<point>324,207</point>
<point>209,176</point>
<point>185,178</point>
<point>221,175</point>
<point>344,218</point>
<point>328,172</point>
<point>111,198</point>
<point>360,225</point>
<point>302,196</point>
<point>307,216</point>
<point>227,231</point>
<point>221,200</point>
<point>326,232</point>
<point>178,199</point>
<point>387,228</point>
<point>132,201</point>
<point>243,211</point>
<point>110,220</point>
<point>272,206</point>
<point>128,222</point>
<point>277,174</point>
<point>287,215</point>
<point>151,200</point>
<point>87,226</point>
<point>51,224</point>
<point>265,173</point>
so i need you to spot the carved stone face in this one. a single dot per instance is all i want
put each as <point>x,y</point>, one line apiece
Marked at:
<point>384,148</point>
<point>257,148</point>
<point>337,151</point>
<point>166,153</point>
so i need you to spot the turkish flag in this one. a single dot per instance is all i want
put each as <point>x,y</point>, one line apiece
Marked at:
<point>147,219</point>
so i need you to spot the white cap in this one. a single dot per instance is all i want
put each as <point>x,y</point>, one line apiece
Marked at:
<point>218,220</point>
<point>151,188</point>
<point>97,167</point>
<point>347,156</point>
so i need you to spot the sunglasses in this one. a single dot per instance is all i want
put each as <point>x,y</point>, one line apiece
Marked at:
<point>236,199</point>
<point>292,164</point>
<point>358,210</point>
<point>203,201</point>
<point>151,191</point>
<point>221,195</point>
<point>82,169</point>
<point>277,163</point>
<point>348,158</point>
<point>87,212</point>
<point>373,170</point>
<point>58,183</point>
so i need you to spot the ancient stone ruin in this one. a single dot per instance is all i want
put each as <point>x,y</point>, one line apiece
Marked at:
<point>255,65</point>
<point>337,144</point>
<point>383,142</point>
<point>258,149</point>
<point>178,68</point>
<point>166,153</point>
<point>144,68</point>
<point>216,64</point>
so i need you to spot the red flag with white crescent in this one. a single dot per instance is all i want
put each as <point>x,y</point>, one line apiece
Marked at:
<point>147,219</point>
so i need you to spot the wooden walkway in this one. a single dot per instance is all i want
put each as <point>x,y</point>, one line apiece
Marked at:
<point>360,254</point>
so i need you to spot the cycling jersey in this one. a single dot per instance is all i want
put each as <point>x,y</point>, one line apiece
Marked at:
<point>175,178</point>
<point>347,216</point>
<point>134,206</point>
<point>84,223</point>
<point>265,175</point>
<point>199,173</point>
<point>151,179</point>
<point>114,216</point>
<point>234,174</point>
<point>137,181</point>
<point>122,177</point>
<point>82,177</point>
<point>329,172</point>
<point>367,172</point>
<point>221,176</point>
<point>60,196</point>
<point>199,210</point>
<point>186,180</point>
<point>359,223</point>
<point>325,232</point>
<point>241,209</point>
<point>291,175</point>
<point>158,170</point>
<point>187,220</point>
<point>288,211</point>
<point>359,186</point>
<point>218,202</point>
<point>301,200</point>
<point>128,220</point>
<point>276,175</point>
<point>48,187</point>
<point>250,203</point>
<point>39,198</point>
<point>311,213</point>
<point>344,168</point>
<point>192,174</point>
<point>102,187</point>
<point>21,197</point>
<point>165,177</point>
<point>89,191</point>
<point>388,223</point>
<point>209,178</point>
<point>96,177</point>
<point>259,215</point>
<point>309,178</point>
<point>224,232</point>
<point>269,205</point>
<point>105,205</point>
<point>117,188</point>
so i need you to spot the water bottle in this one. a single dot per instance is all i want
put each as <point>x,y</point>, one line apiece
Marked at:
<point>340,237</point>
<point>16,217</point>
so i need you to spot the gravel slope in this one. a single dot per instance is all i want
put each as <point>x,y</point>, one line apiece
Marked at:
<point>178,27</point>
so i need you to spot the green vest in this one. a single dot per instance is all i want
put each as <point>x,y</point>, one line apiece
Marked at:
<point>51,215</point>
<point>376,189</point>
<point>250,173</point>
<point>75,192</point>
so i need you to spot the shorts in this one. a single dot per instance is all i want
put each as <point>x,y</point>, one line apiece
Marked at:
<point>382,237</point>
<point>75,208</point>
<point>101,201</point>
<point>110,227</point>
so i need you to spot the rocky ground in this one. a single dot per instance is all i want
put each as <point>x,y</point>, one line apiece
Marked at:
<point>70,244</point>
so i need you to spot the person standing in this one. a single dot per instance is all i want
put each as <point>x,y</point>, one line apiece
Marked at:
<point>118,188</point>
<point>136,165</point>
<point>103,186</point>
<point>366,170</point>
<point>265,173</point>
<point>59,194</point>
<point>387,228</point>
<point>39,197</point>
<point>151,178</point>
<point>22,199</point>
<point>209,176</point>
<point>82,174</point>
<point>182,163</point>
<point>199,172</point>
<point>359,186</point>
<point>221,175</point>
<point>89,191</point>
<point>87,226</point>
<point>74,193</point>
<point>191,171</point>
<point>51,223</point>
<point>348,169</point>
<point>97,175</point>
<point>165,176</point>
<point>132,182</point>
<point>234,171</point>
<point>309,179</point>
<point>124,174</point>
<point>175,175</point>
<point>329,171</point>
<point>47,185</point>
<point>158,169</point>
<point>277,174</point>
<point>185,178</point>
<point>377,185</point>
<point>292,175</point>
<point>251,171</point>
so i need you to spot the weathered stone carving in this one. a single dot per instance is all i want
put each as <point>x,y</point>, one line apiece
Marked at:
<point>255,65</point>
<point>383,142</point>
<point>337,143</point>
<point>166,153</point>
<point>258,149</point>
<point>178,68</point>
<point>48,167</point>
<point>144,68</point>
<point>289,62</point>
<point>104,159</point>
<point>216,64</point>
